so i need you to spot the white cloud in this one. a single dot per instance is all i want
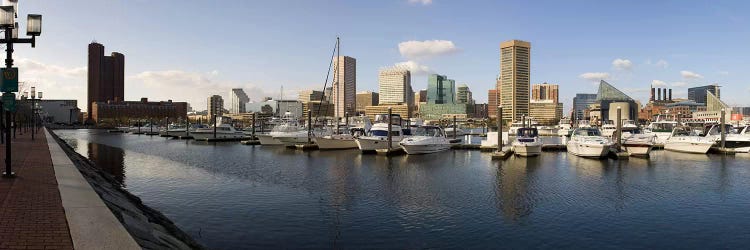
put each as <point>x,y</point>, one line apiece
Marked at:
<point>413,50</point>
<point>658,83</point>
<point>690,75</point>
<point>661,63</point>
<point>595,76</point>
<point>415,67</point>
<point>194,87</point>
<point>33,67</point>
<point>622,64</point>
<point>679,84</point>
<point>57,82</point>
<point>422,2</point>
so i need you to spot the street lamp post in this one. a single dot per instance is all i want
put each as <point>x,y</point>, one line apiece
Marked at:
<point>33,112</point>
<point>8,24</point>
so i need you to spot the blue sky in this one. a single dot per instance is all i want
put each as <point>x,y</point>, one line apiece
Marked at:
<point>186,50</point>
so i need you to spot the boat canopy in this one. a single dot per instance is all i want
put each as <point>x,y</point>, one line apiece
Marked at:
<point>527,132</point>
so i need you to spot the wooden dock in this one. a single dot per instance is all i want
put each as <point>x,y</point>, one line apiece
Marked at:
<point>306,146</point>
<point>250,142</point>
<point>222,139</point>
<point>502,154</point>
<point>391,152</point>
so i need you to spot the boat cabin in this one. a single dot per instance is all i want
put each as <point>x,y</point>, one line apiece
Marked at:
<point>587,132</point>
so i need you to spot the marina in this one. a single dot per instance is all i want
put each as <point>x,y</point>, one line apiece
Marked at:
<point>452,199</point>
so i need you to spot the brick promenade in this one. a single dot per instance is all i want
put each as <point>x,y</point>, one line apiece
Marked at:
<point>31,211</point>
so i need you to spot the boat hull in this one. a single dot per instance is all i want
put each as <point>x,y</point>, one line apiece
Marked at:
<point>638,149</point>
<point>268,140</point>
<point>329,143</point>
<point>527,149</point>
<point>688,147</point>
<point>424,148</point>
<point>290,141</point>
<point>377,143</point>
<point>588,150</point>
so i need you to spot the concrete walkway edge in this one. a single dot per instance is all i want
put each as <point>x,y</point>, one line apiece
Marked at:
<point>92,225</point>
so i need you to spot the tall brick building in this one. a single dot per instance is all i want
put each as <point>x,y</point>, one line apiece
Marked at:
<point>106,77</point>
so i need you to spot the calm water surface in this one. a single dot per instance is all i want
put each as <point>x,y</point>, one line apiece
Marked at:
<point>232,196</point>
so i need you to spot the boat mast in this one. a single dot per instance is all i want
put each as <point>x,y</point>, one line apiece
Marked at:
<point>338,81</point>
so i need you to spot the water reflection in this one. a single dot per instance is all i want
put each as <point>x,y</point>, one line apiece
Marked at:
<point>109,159</point>
<point>512,187</point>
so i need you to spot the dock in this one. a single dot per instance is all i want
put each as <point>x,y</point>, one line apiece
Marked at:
<point>250,142</point>
<point>222,139</point>
<point>184,137</point>
<point>466,146</point>
<point>502,154</point>
<point>393,151</point>
<point>306,146</point>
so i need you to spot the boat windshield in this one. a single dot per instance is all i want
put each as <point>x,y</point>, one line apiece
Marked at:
<point>527,132</point>
<point>716,130</point>
<point>631,130</point>
<point>588,132</point>
<point>427,131</point>
<point>383,133</point>
<point>662,127</point>
<point>684,131</point>
<point>396,120</point>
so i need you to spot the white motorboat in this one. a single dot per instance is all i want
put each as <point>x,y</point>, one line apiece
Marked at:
<point>267,139</point>
<point>635,142</point>
<point>684,139</point>
<point>426,140</point>
<point>588,142</point>
<point>527,142</point>
<point>736,140</point>
<point>564,127</point>
<point>608,129</point>
<point>223,131</point>
<point>662,129</point>
<point>548,130</point>
<point>339,141</point>
<point>513,130</point>
<point>174,130</point>
<point>377,137</point>
<point>288,132</point>
<point>359,125</point>
<point>220,130</point>
<point>449,131</point>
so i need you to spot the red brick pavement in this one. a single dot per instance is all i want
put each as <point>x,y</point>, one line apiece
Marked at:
<point>31,212</point>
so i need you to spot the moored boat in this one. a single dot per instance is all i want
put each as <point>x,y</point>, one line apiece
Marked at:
<point>527,142</point>
<point>426,140</point>
<point>588,142</point>
<point>684,139</point>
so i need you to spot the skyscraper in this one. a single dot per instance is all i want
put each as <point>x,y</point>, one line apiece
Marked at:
<point>463,94</point>
<point>106,76</point>
<point>344,85</point>
<point>239,100</point>
<point>544,91</point>
<point>440,90</point>
<point>698,94</point>
<point>515,67</point>
<point>580,103</point>
<point>395,86</point>
<point>215,106</point>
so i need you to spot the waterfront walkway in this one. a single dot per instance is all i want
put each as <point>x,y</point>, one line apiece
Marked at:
<point>31,210</point>
<point>49,205</point>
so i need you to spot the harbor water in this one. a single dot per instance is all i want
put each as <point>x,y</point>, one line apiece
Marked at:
<point>233,196</point>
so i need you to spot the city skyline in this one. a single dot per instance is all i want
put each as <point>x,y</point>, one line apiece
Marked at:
<point>631,51</point>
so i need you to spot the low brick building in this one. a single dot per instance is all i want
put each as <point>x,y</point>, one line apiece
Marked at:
<point>121,112</point>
